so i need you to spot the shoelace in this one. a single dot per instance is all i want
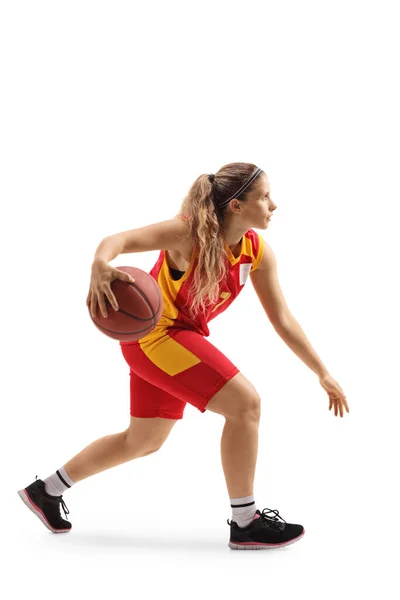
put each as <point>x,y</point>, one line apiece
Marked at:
<point>269,521</point>
<point>272,521</point>
<point>63,505</point>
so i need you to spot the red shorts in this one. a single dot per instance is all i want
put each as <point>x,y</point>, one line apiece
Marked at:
<point>180,366</point>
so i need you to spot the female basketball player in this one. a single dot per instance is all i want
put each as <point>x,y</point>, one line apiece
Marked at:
<point>206,255</point>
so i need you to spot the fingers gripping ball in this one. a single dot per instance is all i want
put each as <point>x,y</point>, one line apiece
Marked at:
<point>140,307</point>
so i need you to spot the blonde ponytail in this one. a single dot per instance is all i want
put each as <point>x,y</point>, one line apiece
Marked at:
<point>205,221</point>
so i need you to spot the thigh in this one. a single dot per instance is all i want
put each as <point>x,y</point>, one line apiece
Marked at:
<point>183,364</point>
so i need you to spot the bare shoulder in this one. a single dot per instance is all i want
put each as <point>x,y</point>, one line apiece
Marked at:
<point>185,247</point>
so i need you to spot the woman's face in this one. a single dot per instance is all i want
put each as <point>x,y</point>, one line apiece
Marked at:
<point>258,208</point>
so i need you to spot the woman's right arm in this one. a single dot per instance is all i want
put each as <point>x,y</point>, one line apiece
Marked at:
<point>166,235</point>
<point>109,248</point>
<point>103,274</point>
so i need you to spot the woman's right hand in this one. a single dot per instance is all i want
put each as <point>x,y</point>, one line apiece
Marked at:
<point>100,285</point>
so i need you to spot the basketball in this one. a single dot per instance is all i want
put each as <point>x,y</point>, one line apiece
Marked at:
<point>140,307</point>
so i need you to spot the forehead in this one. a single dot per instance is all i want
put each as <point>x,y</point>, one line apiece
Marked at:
<point>263,186</point>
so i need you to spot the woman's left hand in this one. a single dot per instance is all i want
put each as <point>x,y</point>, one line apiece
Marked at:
<point>335,393</point>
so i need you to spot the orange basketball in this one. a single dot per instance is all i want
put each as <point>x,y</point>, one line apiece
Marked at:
<point>140,307</point>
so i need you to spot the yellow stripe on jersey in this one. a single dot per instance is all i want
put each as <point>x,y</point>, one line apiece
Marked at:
<point>248,247</point>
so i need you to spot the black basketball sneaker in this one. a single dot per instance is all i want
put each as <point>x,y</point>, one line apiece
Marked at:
<point>264,531</point>
<point>46,507</point>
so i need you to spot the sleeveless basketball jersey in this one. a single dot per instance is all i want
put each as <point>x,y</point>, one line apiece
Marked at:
<point>176,295</point>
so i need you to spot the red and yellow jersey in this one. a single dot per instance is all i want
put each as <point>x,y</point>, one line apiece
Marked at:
<point>177,298</point>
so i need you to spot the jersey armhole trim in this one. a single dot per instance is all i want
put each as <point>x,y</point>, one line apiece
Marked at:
<point>256,262</point>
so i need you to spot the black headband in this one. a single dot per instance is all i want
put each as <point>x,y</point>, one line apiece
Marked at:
<point>241,190</point>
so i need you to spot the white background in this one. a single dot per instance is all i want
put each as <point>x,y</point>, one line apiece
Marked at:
<point>109,111</point>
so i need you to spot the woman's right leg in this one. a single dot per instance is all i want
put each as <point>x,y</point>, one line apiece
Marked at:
<point>44,498</point>
<point>143,437</point>
<point>156,413</point>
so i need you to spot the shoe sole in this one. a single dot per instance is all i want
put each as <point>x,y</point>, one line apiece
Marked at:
<point>36,511</point>
<point>257,546</point>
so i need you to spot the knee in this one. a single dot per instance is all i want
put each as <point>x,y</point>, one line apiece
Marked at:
<point>138,448</point>
<point>255,408</point>
<point>150,451</point>
<point>237,399</point>
<point>250,408</point>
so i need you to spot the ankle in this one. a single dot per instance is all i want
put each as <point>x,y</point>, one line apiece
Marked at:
<point>243,510</point>
<point>58,483</point>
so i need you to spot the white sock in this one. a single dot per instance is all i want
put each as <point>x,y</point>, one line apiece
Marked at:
<point>243,510</point>
<point>56,484</point>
